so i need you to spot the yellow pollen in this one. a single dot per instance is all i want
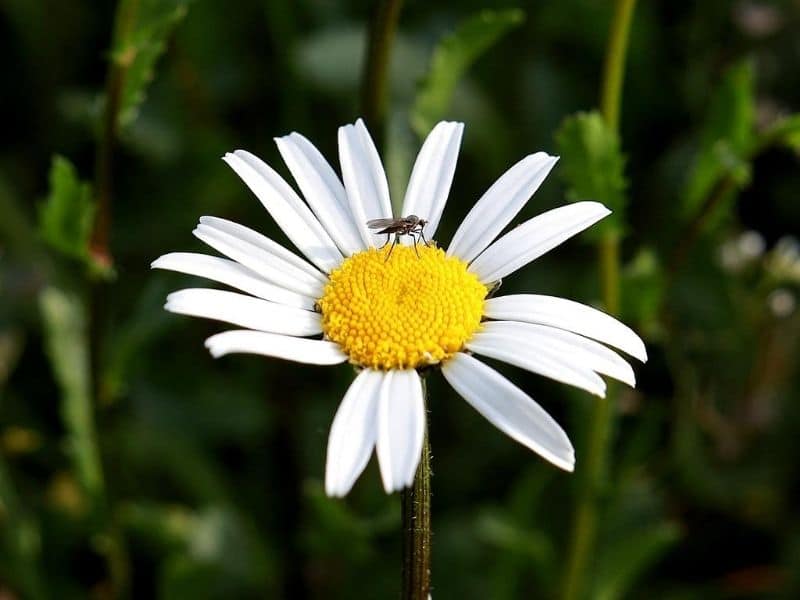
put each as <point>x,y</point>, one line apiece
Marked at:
<point>404,312</point>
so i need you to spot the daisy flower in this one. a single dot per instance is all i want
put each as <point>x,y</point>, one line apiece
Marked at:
<point>344,299</point>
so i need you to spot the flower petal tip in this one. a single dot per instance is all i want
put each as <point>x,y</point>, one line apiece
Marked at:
<point>213,349</point>
<point>641,354</point>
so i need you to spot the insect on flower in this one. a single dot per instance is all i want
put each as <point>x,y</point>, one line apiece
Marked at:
<point>342,302</point>
<point>411,225</point>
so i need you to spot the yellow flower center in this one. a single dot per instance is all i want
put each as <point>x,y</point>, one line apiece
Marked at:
<point>404,312</point>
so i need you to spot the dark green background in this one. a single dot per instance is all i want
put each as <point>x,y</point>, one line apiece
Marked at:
<point>213,469</point>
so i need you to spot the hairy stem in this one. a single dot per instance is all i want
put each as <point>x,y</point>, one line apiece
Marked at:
<point>416,506</point>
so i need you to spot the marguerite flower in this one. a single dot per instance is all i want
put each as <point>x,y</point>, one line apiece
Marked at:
<point>343,301</point>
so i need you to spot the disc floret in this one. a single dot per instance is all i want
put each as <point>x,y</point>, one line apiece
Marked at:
<point>407,312</point>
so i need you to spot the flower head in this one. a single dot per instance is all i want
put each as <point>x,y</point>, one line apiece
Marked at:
<point>394,305</point>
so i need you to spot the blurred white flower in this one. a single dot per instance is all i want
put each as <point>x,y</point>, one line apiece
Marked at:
<point>784,260</point>
<point>751,244</point>
<point>390,316</point>
<point>737,253</point>
<point>781,302</point>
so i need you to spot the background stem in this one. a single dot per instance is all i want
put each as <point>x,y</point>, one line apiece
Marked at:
<point>614,67</point>
<point>374,91</point>
<point>590,484</point>
<point>125,21</point>
<point>416,506</point>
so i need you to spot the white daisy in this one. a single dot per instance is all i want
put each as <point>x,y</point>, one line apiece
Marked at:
<point>343,301</point>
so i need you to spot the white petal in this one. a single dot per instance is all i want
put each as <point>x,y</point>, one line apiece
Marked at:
<point>270,266</point>
<point>364,178</point>
<point>261,241</point>
<point>568,347</point>
<point>499,205</point>
<point>534,237</point>
<point>432,175</point>
<point>526,355</point>
<point>567,314</point>
<point>322,190</point>
<point>288,210</point>
<point>509,409</point>
<point>233,274</point>
<point>312,352</point>
<point>353,433</point>
<point>245,311</point>
<point>401,428</point>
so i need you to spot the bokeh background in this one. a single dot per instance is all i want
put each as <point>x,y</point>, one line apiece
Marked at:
<point>133,464</point>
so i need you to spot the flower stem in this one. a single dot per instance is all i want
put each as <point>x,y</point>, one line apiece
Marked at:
<point>590,485</point>
<point>416,506</point>
<point>374,93</point>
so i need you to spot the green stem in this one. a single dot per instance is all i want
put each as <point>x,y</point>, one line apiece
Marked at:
<point>124,23</point>
<point>108,538</point>
<point>614,68</point>
<point>374,91</point>
<point>590,485</point>
<point>416,506</point>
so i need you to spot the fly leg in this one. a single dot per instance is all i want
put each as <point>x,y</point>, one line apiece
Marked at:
<point>422,235</point>
<point>394,243</point>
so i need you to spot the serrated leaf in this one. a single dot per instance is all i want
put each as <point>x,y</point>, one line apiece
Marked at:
<point>66,217</point>
<point>452,57</point>
<point>593,166</point>
<point>727,137</point>
<point>140,37</point>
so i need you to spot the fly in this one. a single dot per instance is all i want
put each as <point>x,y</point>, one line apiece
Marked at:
<point>411,225</point>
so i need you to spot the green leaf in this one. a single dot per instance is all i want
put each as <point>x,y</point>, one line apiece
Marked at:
<point>727,138</point>
<point>140,37</point>
<point>66,217</point>
<point>593,166</point>
<point>66,336</point>
<point>452,57</point>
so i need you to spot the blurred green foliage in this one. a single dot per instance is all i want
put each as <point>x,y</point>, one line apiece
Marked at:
<point>450,60</point>
<point>66,217</point>
<point>132,464</point>
<point>593,166</point>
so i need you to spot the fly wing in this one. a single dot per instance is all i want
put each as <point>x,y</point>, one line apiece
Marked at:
<point>381,223</point>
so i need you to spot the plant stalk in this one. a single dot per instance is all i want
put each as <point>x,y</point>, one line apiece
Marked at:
<point>614,67</point>
<point>374,90</point>
<point>416,506</point>
<point>590,485</point>
<point>124,22</point>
